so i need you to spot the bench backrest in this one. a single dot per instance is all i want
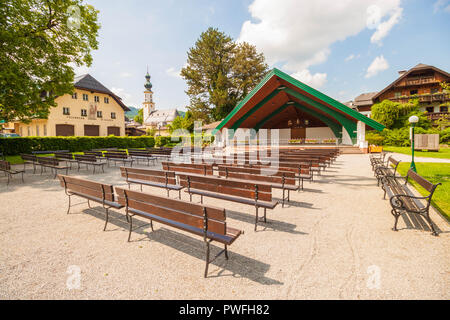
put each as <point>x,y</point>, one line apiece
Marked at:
<point>424,183</point>
<point>238,188</point>
<point>28,157</point>
<point>5,165</point>
<point>189,216</point>
<point>88,187</point>
<point>50,152</point>
<point>257,174</point>
<point>48,161</point>
<point>394,162</point>
<point>88,158</point>
<point>95,153</point>
<point>116,155</point>
<point>197,168</point>
<point>302,168</point>
<point>166,177</point>
<point>64,156</point>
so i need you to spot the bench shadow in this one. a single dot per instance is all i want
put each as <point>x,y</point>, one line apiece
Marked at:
<point>270,225</point>
<point>298,204</point>
<point>237,266</point>
<point>417,222</point>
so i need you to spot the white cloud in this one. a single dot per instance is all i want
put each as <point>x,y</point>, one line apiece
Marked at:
<point>297,34</point>
<point>352,56</point>
<point>79,70</point>
<point>316,80</point>
<point>378,64</point>
<point>173,72</point>
<point>441,5</point>
<point>383,28</point>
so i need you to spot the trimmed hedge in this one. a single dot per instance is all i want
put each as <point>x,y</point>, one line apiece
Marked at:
<point>14,146</point>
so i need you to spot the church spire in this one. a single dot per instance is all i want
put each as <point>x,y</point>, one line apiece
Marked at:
<point>148,85</point>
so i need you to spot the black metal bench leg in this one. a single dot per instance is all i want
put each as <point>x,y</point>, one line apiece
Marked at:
<point>433,230</point>
<point>131,226</point>
<point>265,216</point>
<point>256,218</point>
<point>22,178</point>
<point>226,252</point>
<point>396,216</point>
<point>282,204</point>
<point>207,258</point>
<point>68,209</point>
<point>151,224</point>
<point>106,220</point>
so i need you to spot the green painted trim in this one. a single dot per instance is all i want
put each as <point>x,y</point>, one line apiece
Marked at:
<point>336,104</point>
<point>348,124</point>
<point>270,116</point>
<point>337,129</point>
<point>244,101</point>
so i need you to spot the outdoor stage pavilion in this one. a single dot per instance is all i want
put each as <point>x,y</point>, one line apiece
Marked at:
<point>300,112</point>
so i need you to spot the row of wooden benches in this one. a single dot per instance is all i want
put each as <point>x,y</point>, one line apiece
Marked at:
<point>206,221</point>
<point>401,196</point>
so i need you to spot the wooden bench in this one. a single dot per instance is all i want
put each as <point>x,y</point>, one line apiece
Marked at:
<point>89,160</point>
<point>51,163</point>
<point>91,191</point>
<point>402,199</point>
<point>50,152</point>
<point>205,221</point>
<point>377,159</point>
<point>195,168</point>
<point>142,155</point>
<point>29,159</point>
<point>66,157</point>
<point>388,170</point>
<point>258,195</point>
<point>98,154</point>
<point>283,180</point>
<point>302,171</point>
<point>118,157</point>
<point>5,166</point>
<point>153,178</point>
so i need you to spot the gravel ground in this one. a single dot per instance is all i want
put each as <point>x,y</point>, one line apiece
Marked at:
<point>334,241</point>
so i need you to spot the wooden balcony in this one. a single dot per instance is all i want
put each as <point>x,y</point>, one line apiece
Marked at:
<point>436,97</point>
<point>438,115</point>
<point>419,81</point>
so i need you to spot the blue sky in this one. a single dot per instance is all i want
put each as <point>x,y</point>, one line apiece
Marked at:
<point>342,48</point>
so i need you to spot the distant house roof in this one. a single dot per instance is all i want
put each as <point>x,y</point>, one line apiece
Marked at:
<point>211,126</point>
<point>364,99</point>
<point>418,67</point>
<point>160,116</point>
<point>88,82</point>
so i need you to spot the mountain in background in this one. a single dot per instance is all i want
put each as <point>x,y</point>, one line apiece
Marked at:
<point>132,113</point>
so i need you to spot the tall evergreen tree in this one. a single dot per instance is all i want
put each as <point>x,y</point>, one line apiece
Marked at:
<point>219,73</point>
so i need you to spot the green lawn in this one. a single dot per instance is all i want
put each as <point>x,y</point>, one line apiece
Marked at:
<point>18,159</point>
<point>444,153</point>
<point>435,173</point>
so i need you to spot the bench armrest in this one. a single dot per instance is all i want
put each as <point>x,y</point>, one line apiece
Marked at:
<point>397,201</point>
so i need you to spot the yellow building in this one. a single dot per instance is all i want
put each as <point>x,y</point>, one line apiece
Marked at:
<point>93,110</point>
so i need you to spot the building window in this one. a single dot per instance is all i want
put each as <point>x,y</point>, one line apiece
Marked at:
<point>45,129</point>
<point>85,97</point>
<point>96,99</point>
<point>66,111</point>
<point>430,109</point>
<point>443,109</point>
<point>434,90</point>
<point>83,112</point>
<point>74,96</point>
<point>113,115</point>
<point>413,92</point>
<point>37,130</point>
<point>106,100</point>
<point>99,114</point>
<point>397,94</point>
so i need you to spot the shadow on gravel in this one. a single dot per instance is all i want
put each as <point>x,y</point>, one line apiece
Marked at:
<point>237,266</point>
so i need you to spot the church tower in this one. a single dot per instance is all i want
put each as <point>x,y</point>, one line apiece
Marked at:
<point>149,105</point>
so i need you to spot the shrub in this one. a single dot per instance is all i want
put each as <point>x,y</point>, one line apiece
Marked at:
<point>14,146</point>
<point>374,138</point>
